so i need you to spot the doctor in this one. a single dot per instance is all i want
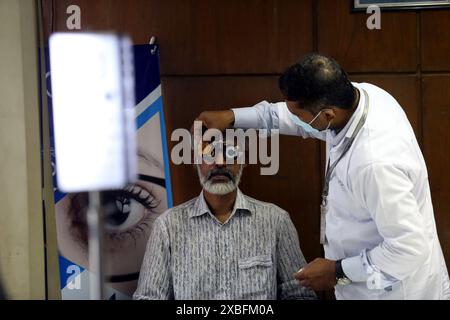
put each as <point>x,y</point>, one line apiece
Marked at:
<point>377,221</point>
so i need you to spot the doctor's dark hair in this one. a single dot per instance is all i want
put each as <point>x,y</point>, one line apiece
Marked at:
<point>317,82</point>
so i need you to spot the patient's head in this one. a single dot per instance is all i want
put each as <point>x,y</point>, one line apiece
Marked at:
<point>217,175</point>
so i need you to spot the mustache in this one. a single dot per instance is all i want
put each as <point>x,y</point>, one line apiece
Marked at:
<point>220,172</point>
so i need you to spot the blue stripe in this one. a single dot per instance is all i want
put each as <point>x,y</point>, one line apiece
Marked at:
<point>154,108</point>
<point>166,159</point>
<point>148,113</point>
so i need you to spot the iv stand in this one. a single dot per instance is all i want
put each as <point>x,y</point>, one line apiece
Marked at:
<point>95,221</point>
<point>95,216</point>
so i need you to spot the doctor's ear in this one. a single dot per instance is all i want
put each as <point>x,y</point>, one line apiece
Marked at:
<point>330,113</point>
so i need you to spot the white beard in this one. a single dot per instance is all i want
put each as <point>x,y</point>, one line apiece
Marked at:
<point>220,188</point>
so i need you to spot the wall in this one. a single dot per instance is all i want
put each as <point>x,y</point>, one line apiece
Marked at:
<point>217,54</point>
<point>21,225</point>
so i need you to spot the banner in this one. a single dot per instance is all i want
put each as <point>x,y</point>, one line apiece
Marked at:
<point>130,211</point>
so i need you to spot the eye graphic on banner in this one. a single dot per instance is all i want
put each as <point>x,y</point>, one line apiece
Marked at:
<point>130,212</point>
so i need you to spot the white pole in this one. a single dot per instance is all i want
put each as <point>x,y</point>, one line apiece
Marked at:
<point>96,239</point>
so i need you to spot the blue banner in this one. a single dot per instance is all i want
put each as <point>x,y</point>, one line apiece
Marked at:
<point>132,210</point>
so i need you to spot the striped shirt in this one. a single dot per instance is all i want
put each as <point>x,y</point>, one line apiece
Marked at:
<point>252,255</point>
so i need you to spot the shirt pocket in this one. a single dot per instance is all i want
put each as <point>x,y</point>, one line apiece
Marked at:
<point>256,277</point>
<point>396,291</point>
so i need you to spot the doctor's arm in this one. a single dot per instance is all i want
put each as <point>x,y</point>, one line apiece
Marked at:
<point>264,115</point>
<point>386,192</point>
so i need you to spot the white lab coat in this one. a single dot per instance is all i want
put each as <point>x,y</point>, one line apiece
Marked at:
<point>380,218</point>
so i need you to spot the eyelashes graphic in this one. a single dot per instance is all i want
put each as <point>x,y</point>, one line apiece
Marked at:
<point>128,212</point>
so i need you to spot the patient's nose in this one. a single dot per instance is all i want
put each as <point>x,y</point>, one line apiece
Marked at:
<point>220,161</point>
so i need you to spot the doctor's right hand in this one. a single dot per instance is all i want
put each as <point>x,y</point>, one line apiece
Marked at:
<point>220,120</point>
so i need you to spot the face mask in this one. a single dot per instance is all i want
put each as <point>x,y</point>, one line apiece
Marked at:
<point>307,126</point>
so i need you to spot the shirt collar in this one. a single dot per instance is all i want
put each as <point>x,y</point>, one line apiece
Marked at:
<point>350,127</point>
<point>201,207</point>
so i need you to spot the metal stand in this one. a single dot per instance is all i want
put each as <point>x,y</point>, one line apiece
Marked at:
<point>96,240</point>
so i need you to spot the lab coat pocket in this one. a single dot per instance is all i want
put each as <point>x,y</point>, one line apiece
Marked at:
<point>255,276</point>
<point>393,292</point>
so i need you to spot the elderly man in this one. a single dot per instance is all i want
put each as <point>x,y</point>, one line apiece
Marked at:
<point>222,244</point>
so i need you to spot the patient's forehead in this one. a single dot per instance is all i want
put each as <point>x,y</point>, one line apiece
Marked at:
<point>230,137</point>
<point>224,139</point>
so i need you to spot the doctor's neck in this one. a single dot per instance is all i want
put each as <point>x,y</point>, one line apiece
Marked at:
<point>343,116</point>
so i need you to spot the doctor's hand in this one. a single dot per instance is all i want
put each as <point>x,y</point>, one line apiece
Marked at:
<point>221,120</point>
<point>319,275</point>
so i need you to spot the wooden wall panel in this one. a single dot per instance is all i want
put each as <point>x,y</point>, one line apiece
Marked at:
<point>435,40</point>
<point>295,188</point>
<point>206,36</point>
<point>405,89</point>
<point>345,37</point>
<point>436,137</point>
